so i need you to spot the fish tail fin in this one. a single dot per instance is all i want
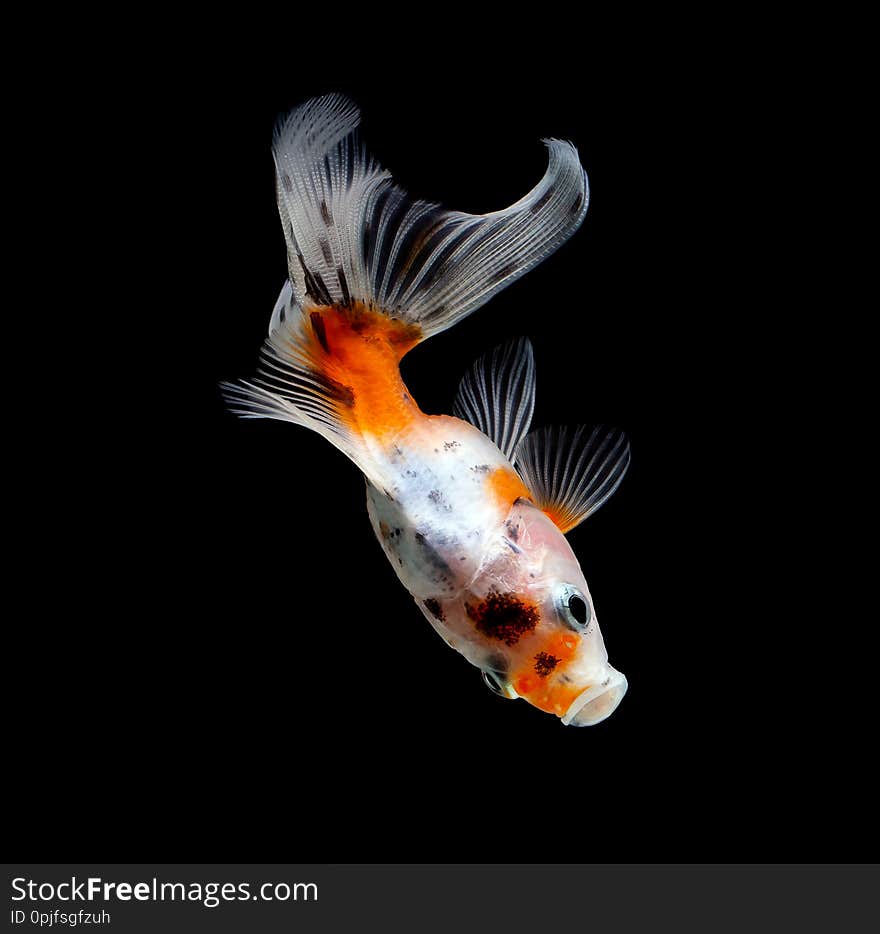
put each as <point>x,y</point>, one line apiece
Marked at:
<point>372,272</point>
<point>353,235</point>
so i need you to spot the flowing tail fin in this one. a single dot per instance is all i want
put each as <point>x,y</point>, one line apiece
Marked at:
<point>352,234</point>
<point>365,259</point>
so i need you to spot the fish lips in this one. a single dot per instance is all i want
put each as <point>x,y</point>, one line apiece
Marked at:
<point>598,701</point>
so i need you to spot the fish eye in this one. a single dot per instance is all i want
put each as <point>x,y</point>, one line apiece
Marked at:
<point>578,608</point>
<point>574,608</point>
<point>493,682</point>
<point>497,683</point>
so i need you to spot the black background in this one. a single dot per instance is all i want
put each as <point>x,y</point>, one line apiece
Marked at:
<point>222,666</point>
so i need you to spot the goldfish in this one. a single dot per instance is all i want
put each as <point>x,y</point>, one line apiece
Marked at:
<point>471,509</point>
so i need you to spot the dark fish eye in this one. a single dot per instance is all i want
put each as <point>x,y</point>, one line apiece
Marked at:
<point>574,607</point>
<point>578,608</point>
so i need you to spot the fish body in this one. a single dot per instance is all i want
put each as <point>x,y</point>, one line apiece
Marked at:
<point>470,508</point>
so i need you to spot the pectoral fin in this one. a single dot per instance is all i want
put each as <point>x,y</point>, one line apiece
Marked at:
<point>571,472</point>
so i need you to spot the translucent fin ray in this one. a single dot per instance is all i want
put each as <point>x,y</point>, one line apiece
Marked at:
<point>290,385</point>
<point>286,308</point>
<point>571,472</point>
<point>353,235</point>
<point>497,394</point>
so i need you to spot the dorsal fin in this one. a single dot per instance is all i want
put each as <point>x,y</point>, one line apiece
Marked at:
<point>572,472</point>
<point>497,394</point>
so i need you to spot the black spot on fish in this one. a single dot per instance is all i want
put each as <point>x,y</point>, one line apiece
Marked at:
<point>343,284</point>
<point>544,664</point>
<point>536,207</point>
<point>434,608</point>
<point>325,213</point>
<point>319,329</point>
<point>504,272</point>
<point>333,388</point>
<point>481,468</point>
<point>439,500</point>
<point>358,324</point>
<point>431,556</point>
<point>315,287</point>
<point>321,290</point>
<point>503,616</point>
<point>449,445</point>
<point>512,530</point>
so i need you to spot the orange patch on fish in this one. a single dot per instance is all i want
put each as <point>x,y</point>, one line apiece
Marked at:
<point>506,486</point>
<point>551,698</point>
<point>360,349</point>
<point>544,689</point>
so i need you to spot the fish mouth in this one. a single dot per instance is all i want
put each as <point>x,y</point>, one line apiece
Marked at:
<point>597,702</point>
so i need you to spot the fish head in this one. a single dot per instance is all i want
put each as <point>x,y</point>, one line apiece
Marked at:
<point>539,606</point>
